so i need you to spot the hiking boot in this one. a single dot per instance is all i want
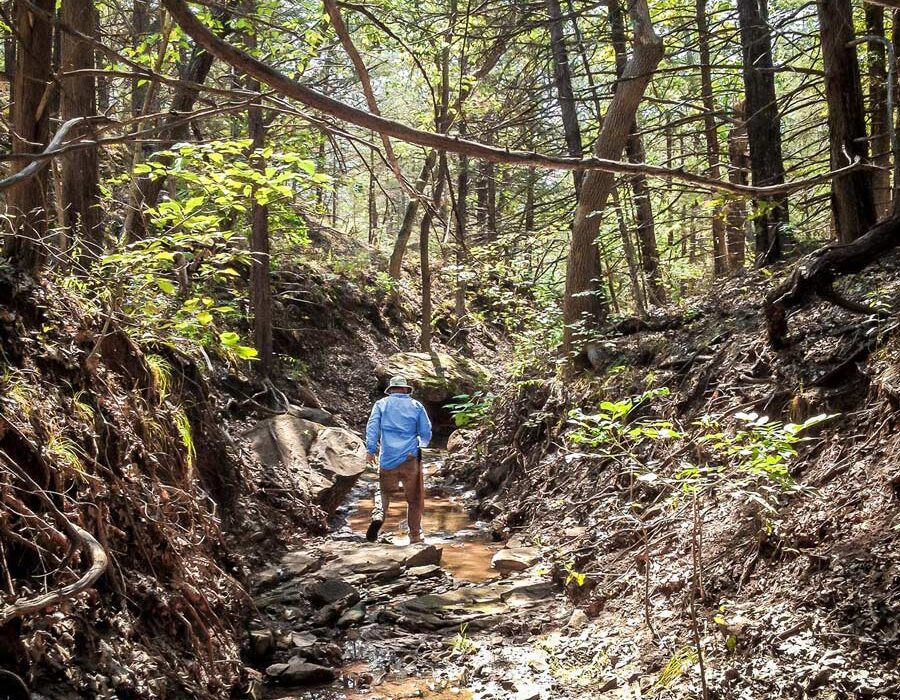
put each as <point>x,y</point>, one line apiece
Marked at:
<point>374,528</point>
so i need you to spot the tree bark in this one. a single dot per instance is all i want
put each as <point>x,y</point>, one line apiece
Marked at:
<point>80,167</point>
<point>720,240</point>
<point>424,262</point>
<point>260,266</point>
<point>738,172</point>
<point>562,77</point>
<point>584,306</point>
<point>852,201</point>
<point>643,206</point>
<point>763,128</point>
<point>460,223</point>
<point>409,217</point>
<point>880,119</point>
<point>26,201</point>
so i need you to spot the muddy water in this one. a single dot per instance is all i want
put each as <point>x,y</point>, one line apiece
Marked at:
<point>467,546</point>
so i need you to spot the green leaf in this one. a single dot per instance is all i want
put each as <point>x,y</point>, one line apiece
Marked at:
<point>229,339</point>
<point>165,285</point>
<point>245,352</point>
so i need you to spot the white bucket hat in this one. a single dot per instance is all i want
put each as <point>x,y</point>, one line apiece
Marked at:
<point>397,382</point>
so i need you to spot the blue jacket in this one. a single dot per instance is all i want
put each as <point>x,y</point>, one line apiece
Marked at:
<point>401,425</point>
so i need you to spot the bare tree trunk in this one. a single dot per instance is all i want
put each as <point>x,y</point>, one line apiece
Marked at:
<point>643,207</point>
<point>763,128</point>
<point>529,200</point>
<point>738,173</point>
<point>562,76</point>
<point>409,217</point>
<point>27,201</point>
<point>852,201</point>
<point>424,262</point>
<point>720,241</point>
<point>880,119</point>
<point>373,205</point>
<point>260,266</point>
<point>460,223</point>
<point>637,290</point>
<point>80,188</point>
<point>584,306</point>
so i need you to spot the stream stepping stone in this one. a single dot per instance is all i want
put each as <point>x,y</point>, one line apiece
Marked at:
<point>297,671</point>
<point>517,559</point>
<point>331,590</point>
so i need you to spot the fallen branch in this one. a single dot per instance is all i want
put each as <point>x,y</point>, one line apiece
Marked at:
<point>99,562</point>
<point>289,87</point>
<point>814,276</point>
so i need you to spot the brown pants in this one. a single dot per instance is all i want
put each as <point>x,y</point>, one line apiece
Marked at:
<point>409,475</point>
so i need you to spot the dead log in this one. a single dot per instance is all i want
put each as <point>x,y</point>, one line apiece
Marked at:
<point>814,276</point>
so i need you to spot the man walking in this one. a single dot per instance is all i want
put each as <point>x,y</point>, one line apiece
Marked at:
<point>400,425</point>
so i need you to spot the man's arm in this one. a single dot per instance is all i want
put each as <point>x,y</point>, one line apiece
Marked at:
<point>424,427</point>
<point>373,431</point>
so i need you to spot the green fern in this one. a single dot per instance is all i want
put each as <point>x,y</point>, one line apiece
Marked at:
<point>161,371</point>
<point>183,423</point>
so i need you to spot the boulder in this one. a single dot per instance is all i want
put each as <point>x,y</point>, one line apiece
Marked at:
<point>436,376</point>
<point>516,559</point>
<point>321,462</point>
<point>297,671</point>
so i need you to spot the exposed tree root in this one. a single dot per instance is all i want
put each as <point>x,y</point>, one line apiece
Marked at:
<point>814,276</point>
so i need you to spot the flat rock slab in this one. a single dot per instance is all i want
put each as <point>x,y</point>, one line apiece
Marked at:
<point>380,561</point>
<point>321,462</point>
<point>468,603</point>
<point>515,559</point>
<point>297,671</point>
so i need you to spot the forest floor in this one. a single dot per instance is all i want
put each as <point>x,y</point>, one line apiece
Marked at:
<point>594,592</point>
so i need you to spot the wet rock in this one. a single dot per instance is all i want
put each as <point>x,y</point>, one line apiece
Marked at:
<point>381,562</point>
<point>297,671</point>
<point>524,593</point>
<point>321,462</point>
<point>302,640</point>
<point>516,559</point>
<point>352,617</point>
<point>436,376</point>
<point>426,571</point>
<point>332,590</point>
<point>262,644</point>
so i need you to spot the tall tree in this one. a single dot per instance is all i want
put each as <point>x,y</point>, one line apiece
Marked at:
<point>80,167</point>
<point>562,77</point>
<point>739,174</point>
<point>26,202</point>
<point>584,305</point>
<point>878,115</point>
<point>852,200</point>
<point>260,272</point>
<point>640,187</point>
<point>763,127</point>
<point>720,241</point>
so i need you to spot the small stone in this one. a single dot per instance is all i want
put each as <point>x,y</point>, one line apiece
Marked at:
<point>297,671</point>
<point>354,616</point>
<point>423,556</point>
<point>302,640</point>
<point>578,619</point>
<point>262,643</point>
<point>518,559</point>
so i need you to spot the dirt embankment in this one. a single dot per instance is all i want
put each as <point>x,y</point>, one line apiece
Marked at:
<point>681,521</point>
